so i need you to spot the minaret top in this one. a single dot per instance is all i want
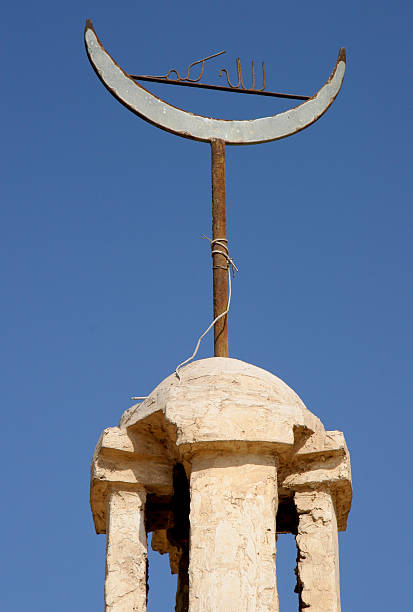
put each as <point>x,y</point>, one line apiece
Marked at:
<point>215,462</point>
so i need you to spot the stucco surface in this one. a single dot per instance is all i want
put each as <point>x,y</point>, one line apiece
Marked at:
<point>125,585</point>
<point>232,547</point>
<point>318,560</point>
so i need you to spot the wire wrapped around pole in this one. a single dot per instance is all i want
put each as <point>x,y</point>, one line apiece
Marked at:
<point>231,269</point>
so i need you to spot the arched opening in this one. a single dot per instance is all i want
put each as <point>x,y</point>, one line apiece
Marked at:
<point>167,525</point>
<point>287,523</point>
<point>162,583</point>
<point>286,577</point>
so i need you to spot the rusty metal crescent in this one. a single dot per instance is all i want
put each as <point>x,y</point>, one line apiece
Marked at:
<point>197,127</point>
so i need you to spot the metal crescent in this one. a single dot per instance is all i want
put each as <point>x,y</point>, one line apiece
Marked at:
<point>233,132</point>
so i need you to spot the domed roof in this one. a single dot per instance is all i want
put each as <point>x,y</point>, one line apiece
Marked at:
<point>223,399</point>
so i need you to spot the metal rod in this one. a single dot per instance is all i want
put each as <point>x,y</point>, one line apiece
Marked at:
<point>219,262</point>
<point>141,77</point>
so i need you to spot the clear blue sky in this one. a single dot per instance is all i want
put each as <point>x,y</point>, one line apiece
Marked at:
<point>106,283</point>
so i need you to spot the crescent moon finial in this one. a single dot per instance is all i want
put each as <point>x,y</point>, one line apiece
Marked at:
<point>197,127</point>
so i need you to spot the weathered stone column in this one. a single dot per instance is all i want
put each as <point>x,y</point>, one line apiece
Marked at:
<point>232,535</point>
<point>126,551</point>
<point>318,581</point>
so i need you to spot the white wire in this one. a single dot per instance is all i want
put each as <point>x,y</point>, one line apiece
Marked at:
<point>231,267</point>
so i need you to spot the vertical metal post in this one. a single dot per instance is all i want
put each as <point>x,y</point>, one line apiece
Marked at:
<point>219,262</point>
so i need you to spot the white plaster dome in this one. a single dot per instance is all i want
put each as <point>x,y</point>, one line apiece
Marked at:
<point>225,399</point>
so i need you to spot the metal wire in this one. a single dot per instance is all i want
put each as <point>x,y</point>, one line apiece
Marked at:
<point>231,267</point>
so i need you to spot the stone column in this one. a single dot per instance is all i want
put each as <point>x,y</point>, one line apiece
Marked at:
<point>126,551</point>
<point>232,533</point>
<point>318,582</point>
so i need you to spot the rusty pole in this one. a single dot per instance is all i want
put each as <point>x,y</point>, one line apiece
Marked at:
<point>219,262</point>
